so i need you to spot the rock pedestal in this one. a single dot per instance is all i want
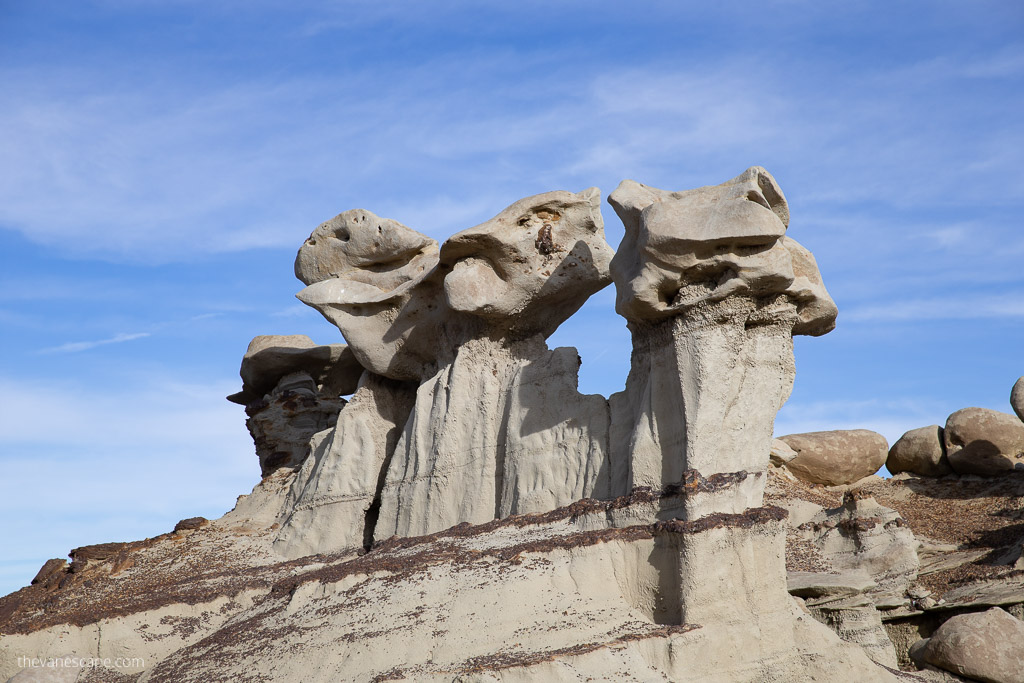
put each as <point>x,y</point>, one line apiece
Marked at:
<point>713,292</point>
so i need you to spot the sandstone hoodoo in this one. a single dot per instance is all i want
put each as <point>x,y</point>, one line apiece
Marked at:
<point>467,515</point>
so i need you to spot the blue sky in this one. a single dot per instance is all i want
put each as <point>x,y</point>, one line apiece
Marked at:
<point>163,161</point>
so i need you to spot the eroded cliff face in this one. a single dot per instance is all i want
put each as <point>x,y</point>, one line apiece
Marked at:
<point>467,514</point>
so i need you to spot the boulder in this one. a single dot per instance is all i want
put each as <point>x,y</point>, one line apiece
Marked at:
<point>921,451</point>
<point>985,442</point>
<point>837,457</point>
<point>1017,398</point>
<point>985,646</point>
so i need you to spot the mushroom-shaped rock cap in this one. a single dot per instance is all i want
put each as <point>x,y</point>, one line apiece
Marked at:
<point>270,357</point>
<point>364,247</point>
<point>684,249</point>
<point>531,266</point>
<point>363,271</point>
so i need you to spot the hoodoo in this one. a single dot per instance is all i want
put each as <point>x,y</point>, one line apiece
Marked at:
<point>439,502</point>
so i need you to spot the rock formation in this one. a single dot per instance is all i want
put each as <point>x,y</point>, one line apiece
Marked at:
<point>842,456</point>
<point>291,389</point>
<point>982,441</point>
<point>713,292</point>
<point>921,451</point>
<point>467,514</point>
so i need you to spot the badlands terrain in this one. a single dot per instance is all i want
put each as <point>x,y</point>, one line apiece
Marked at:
<point>438,502</point>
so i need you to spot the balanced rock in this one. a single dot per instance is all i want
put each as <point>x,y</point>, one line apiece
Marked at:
<point>1017,398</point>
<point>983,441</point>
<point>921,451</point>
<point>837,457</point>
<point>985,646</point>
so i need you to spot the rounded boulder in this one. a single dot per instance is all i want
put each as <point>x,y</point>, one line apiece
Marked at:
<point>983,646</point>
<point>1017,398</point>
<point>836,457</point>
<point>985,442</point>
<point>920,451</point>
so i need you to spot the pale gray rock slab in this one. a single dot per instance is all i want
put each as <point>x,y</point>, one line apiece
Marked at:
<point>780,452</point>
<point>985,646</point>
<point>819,585</point>
<point>1017,398</point>
<point>1007,591</point>
<point>984,442</point>
<point>836,457</point>
<point>921,451</point>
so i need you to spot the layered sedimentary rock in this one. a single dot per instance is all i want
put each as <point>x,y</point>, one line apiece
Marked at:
<point>713,291</point>
<point>496,425</point>
<point>291,389</point>
<point>470,516</point>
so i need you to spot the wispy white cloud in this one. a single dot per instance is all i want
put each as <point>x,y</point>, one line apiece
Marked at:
<point>123,463</point>
<point>74,347</point>
<point>939,308</point>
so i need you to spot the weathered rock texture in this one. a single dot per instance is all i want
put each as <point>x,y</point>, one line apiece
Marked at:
<point>291,389</point>
<point>986,646</point>
<point>713,292</point>
<point>921,451</point>
<point>496,425</point>
<point>470,516</point>
<point>842,456</point>
<point>985,442</point>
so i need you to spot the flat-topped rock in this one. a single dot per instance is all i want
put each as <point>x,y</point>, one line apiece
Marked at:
<point>985,442</point>
<point>818,585</point>
<point>836,457</point>
<point>333,367</point>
